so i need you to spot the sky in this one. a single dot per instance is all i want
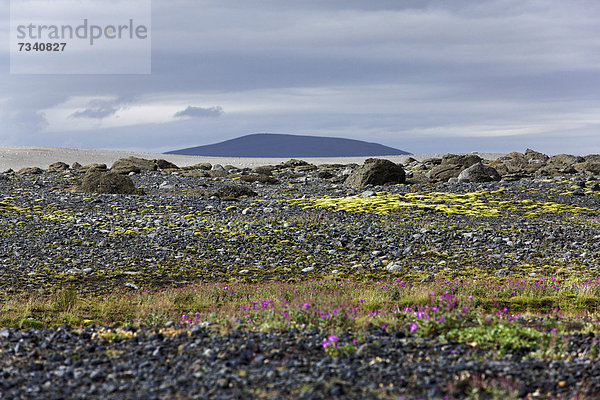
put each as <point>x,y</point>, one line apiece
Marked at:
<point>423,76</point>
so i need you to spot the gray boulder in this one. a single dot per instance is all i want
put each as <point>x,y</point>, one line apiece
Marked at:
<point>590,167</point>
<point>164,164</point>
<point>293,163</point>
<point>259,178</point>
<point>522,166</point>
<point>92,168</point>
<point>30,171</point>
<point>565,160</point>
<point>196,173</point>
<point>416,177</point>
<point>233,192</point>
<point>133,164</point>
<point>561,164</point>
<point>264,170</point>
<point>58,167</point>
<point>108,182</point>
<point>479,173</point>
<point>200,166</point>
<point>376,171</point>
<point>531,155</point>
<point>592,158</point>
<point>217,171</point>
<point>464,160</point>
<point>442,173</point>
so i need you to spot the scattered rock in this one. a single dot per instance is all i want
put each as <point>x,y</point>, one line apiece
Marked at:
<point>479,173</point>
<point>58,167</point>
<point>92,168</point>
<point>164,164</point>
<point>531,155</point>
<point>442,173</point>
<point>463,160</point>
<point>264,170</point>
<point>201,166</point>
<point>30,171</point>
<point>590,167</point>
<point>376,172</point>
<point>108,182</point>
<point>133,164</point>
<point>259,178</point>
<point>293,163</point>
<point>217,171</point>
<point>132,286</point>
<point>394,267</point>
<point>233,192</point>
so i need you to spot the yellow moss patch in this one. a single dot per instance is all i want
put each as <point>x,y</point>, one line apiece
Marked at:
<point>479,204</point>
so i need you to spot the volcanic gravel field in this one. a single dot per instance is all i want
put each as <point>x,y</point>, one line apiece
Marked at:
<point>304,226</point>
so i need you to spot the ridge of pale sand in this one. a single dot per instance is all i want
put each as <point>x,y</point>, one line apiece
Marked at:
<point>17,157</point>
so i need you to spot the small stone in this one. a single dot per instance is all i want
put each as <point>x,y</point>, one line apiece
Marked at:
<point>131,286</point>
<point>73,271</point>
<point>308,269</point>
<point>394,267</point>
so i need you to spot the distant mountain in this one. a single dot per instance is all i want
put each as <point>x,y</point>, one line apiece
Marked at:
<point>283,146</point>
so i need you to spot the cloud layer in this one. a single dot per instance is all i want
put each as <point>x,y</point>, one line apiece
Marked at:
<point>422,76</point>
<point>199,112</point>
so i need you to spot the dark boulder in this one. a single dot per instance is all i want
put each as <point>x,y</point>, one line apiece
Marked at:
<point>133,164</point>
<point>30,171</point>
<point>58,167</point>
<point>442,173</point>
<point>200,166</point>
<point>259,178</point>
<point>376,171</point>
<point>108,182</point>
<point>233,192</point>
<point>92,168</point>
<point>164,164</point>
<point>465,160</point>
<point>479,173</point>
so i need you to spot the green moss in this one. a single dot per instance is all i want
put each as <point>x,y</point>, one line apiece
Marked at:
<point>30,324</point>
<point>476,204</point>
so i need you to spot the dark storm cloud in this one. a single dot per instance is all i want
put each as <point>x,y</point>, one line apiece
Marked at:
<point>199,112</point>
<point>97,109</point>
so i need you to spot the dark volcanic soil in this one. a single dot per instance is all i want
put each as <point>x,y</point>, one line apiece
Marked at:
<point>179,232</point>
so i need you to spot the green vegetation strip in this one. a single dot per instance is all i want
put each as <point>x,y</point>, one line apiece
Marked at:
<point>478,204</point>
<point>500,316</point>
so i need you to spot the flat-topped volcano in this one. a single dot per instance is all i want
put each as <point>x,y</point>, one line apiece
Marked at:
<point>280,145</point>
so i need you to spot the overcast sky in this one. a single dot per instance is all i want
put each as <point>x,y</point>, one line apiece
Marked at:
<point>421,76</point>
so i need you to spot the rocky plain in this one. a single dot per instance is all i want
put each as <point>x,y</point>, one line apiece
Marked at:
<point>148,224</point>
